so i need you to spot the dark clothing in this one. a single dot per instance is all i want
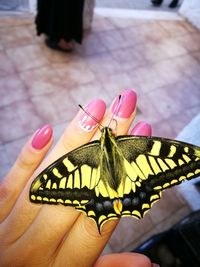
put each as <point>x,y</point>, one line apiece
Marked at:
<point>60,19</point>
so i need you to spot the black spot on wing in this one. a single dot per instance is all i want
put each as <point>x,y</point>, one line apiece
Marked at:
<point>64,194</point>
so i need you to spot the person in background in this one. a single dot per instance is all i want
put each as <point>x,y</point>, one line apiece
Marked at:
<point>61,21</point>
<point>173,3</point>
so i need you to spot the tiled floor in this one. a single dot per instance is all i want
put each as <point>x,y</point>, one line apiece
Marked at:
<point>160,59</point>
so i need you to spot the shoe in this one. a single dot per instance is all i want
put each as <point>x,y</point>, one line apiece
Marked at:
<point>54,45</point>
<point>174,4</point>
<point>157,2</point>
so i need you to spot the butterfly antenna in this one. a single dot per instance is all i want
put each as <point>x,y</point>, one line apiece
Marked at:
<point>90,115</point>
<point>116,110</point>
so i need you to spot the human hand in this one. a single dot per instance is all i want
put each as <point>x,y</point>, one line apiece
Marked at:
<point>45,235</point>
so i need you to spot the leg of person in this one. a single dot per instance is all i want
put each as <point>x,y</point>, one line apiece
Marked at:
<point>65,25</point>
<point>173,4</point>
<point>72,22</point>
<point>157,2</point>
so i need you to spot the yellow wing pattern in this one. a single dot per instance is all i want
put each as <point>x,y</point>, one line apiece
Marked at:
<point>70,180</point>
<point>116,177</point>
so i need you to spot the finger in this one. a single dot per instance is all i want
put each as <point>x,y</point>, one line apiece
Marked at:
<point>80,131</point>
<point>28,160</point>
<point>123,260</point>
<point>121,113</point>
<point>142,128</point>
<point>84,234</point>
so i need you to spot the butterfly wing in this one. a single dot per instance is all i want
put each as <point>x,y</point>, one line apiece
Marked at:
<point>146,166</point>
<point>156,164</point>
<point>71,179</point>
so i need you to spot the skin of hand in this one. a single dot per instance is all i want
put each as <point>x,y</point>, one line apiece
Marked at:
<point>47,235</point>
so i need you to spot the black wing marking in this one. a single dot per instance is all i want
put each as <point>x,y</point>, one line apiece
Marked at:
<point>71,179</point>
<point>159,163</point>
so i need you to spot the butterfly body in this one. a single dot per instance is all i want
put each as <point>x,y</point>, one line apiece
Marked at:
<point>116,176</point>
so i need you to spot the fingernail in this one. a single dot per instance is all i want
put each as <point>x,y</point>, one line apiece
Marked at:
<point>125,106</point>
<point>142,128</point>
<point>96,109</point>
<point>41,137</point>
<point>155,265</point>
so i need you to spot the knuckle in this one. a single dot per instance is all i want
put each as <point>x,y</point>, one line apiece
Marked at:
<point>24,162</point>
<point>5,190</point>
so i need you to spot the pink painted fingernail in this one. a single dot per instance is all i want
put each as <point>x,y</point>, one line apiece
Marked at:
<point>125,106</point>
<point>155,265</point>
<point>96,109</point>
<point>142,128</point>
<point>42,136</point>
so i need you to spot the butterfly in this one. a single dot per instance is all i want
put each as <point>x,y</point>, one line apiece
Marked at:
<point>116,176</point>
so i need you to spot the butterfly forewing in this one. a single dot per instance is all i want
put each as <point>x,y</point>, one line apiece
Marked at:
<point>71,179</point>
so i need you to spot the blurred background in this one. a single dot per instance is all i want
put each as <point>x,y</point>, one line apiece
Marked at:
<point>127,44</point>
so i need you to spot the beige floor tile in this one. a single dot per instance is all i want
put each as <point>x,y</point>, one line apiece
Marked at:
<point>125,22</point>
<point>85,93</point>
<point>92,44</point>
<point>152,52</point>
<point>116,83</point>
<point>27,57</point>
<point>196,55</point>
<point>16,20</point>
<point>15,36</point>
<point>190,41</point>
<point>6,65</point>
<point>172,48</point>
<point>131,37</point>
<point>55,108</point>
<point>54,56</point>
<point>166,206</point>
<point>17,120</point>
<point>148,111</point>
<point>101,24</point>
<point>13,148</point>
<point>175,98</point>
<point>169,70</point>
<point>43,80</point>
<point>147,78</point>
<point>114,39</point>
<point>12,89</point>
<point>188,64</point>
<point>4,162</point>
<point>196,80</point>
<point>103,65</point>
<point>152,31</point>
<point>129,58</point>
<point>181,120</point>
<point>1,46</point>
<point>74,72</point>
<point>189,27</point>
<point>175,28</point>
<point>164,128</point>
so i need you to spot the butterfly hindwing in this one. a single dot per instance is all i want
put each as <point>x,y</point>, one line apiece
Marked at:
<point>71,179</point>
